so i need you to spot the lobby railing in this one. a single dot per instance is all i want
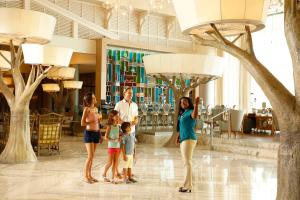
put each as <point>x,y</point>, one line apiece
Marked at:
<point>210,121</point>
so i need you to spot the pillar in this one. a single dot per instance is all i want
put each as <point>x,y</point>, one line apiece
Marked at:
<point>100,75</point>
<point>209,93</point>
<point>74,96</point>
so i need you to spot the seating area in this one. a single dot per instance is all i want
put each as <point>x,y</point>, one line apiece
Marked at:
<point>220,120</point>
<point>230,122</point>
<point>45,131</point>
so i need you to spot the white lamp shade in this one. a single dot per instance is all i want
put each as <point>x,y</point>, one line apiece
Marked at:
<point>72,84</point>
<point>57,56</point>
<point>33,53</point>
<point>62,73</point>
<point>50,87</point>
<point>8,80</point>
<point>204,66</point>
<point>4,65</point>
<point>230,16</point>
<point>17,24</point>
<point>46,55</point>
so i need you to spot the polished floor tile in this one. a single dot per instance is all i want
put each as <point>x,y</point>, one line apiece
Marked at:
<point>159,172</point>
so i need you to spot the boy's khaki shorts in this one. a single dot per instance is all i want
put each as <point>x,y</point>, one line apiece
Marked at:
<point>128,163</point>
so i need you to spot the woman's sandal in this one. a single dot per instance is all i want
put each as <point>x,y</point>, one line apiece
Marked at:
<point>182,189</point>
<point>88,181</point>
<point>114,182</point>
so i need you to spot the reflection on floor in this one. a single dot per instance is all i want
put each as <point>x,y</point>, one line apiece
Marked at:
<point>246,144</point>
<point>159,172</point>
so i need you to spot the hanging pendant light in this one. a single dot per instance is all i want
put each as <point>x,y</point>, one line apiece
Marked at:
<point>50,87</point>
<point>229,16</point>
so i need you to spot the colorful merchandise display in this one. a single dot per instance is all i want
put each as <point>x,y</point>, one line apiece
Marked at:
<point>125,68</point>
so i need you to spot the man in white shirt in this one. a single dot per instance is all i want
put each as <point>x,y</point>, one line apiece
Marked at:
<point>128,110</point>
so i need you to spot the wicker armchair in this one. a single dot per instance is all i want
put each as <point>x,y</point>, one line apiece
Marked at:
<point>49,129</point>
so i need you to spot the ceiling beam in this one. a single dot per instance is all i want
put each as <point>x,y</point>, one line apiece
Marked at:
<point>86,23</point>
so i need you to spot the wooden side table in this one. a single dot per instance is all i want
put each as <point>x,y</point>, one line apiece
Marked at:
<point>264,123</point>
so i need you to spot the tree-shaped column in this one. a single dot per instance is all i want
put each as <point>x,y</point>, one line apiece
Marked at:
<point>18,27</point>
<point>209,26</point>
<point>9,82</point>
<point>200,69</point>
<point>5,66</point>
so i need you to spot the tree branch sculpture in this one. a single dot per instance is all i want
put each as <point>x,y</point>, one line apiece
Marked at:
<point>285,105</point>
<point>182,91</point>
<point>175,68</point>
<point>18,148</point>
<point>35,29</point>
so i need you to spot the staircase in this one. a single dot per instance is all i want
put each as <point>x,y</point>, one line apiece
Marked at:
<point>251,146</point>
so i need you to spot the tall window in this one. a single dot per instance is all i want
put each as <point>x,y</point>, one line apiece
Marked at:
<point>271,50</point>
<point>231,77</point>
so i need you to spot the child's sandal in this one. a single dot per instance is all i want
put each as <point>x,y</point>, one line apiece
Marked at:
<point>119,176</point>
<point>105,179</point>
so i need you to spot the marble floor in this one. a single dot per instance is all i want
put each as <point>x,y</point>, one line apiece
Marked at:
<point>159,172</point>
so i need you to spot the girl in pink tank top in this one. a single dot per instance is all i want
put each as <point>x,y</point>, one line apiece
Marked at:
<point>90,119</point>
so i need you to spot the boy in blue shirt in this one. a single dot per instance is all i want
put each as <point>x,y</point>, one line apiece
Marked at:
<point>128,152</point>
